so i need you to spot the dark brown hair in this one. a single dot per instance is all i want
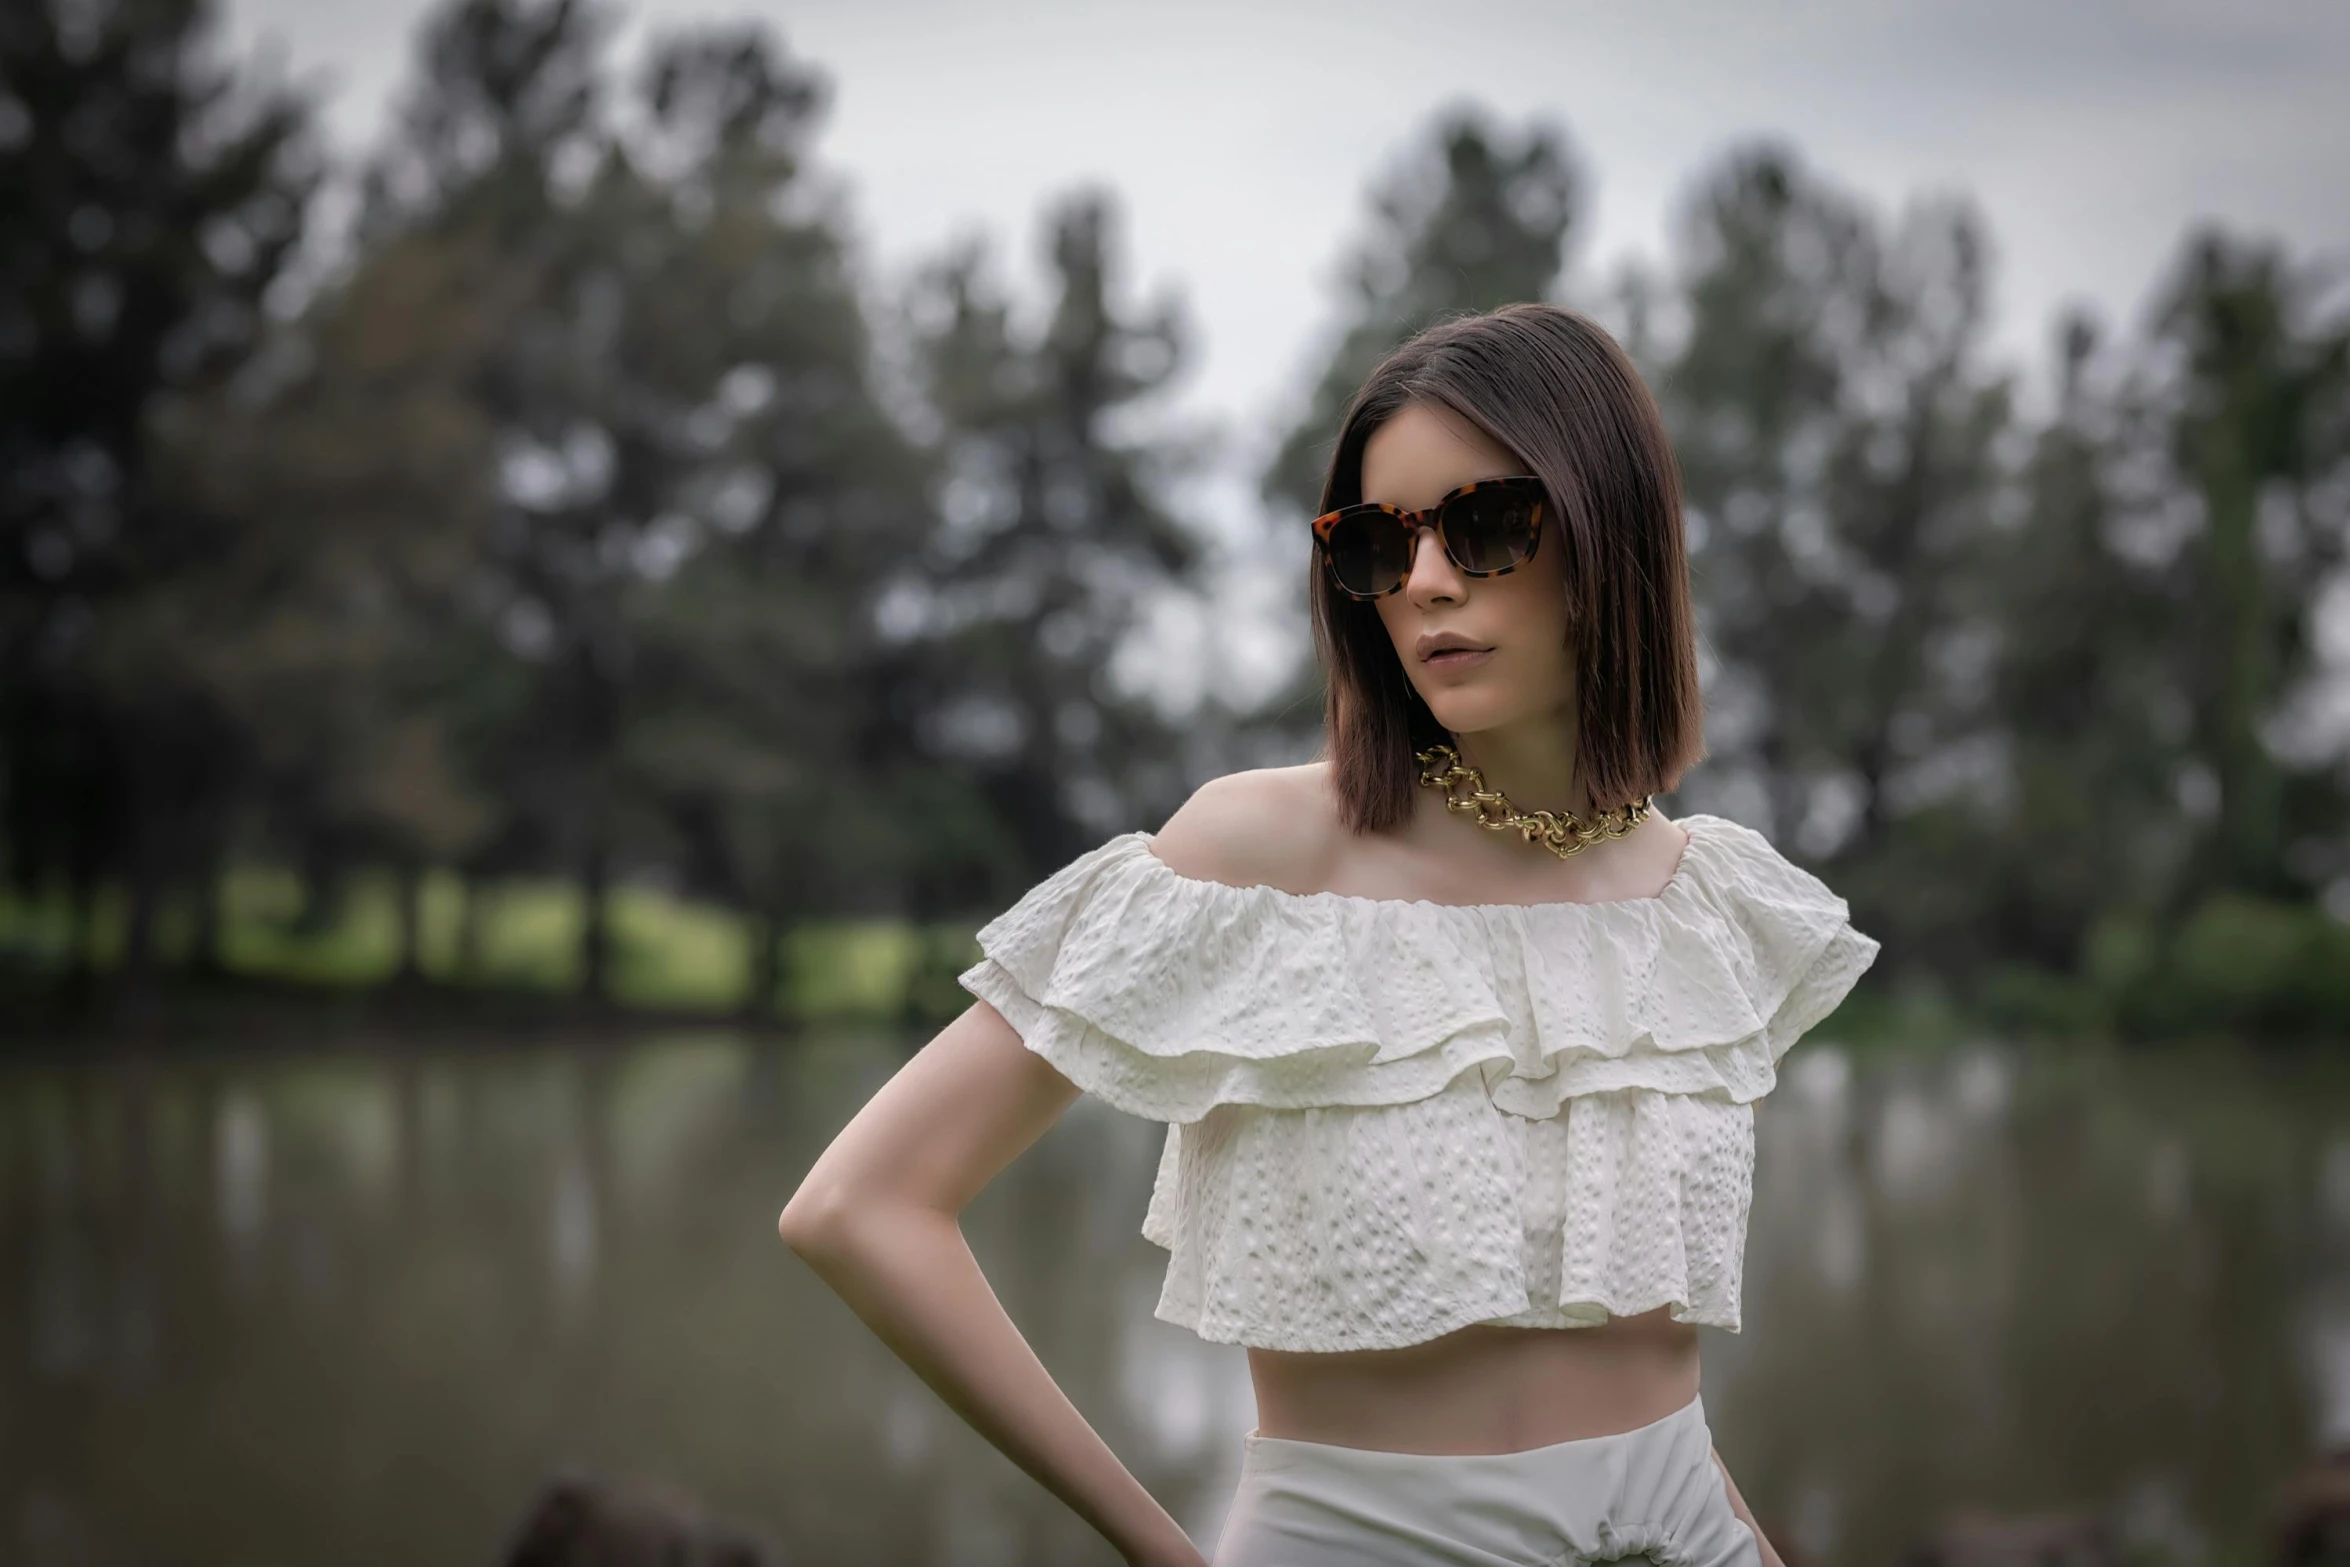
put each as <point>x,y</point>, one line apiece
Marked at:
<point>1557,391</point>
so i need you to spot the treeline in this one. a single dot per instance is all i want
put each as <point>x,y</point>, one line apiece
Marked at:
<point>2032,665</point>
<point>600,514</point>
<point>576,524</point>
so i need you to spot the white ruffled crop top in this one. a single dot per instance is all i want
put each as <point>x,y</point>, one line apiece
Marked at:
<point>1390,1119</point>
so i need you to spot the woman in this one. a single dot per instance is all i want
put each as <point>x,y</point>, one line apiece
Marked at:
<point>1459,1100</point>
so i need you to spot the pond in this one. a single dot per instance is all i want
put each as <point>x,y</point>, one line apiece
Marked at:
<point>353,1305</point>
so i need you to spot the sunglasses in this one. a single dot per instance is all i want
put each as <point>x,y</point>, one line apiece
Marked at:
<point>1489,529</point>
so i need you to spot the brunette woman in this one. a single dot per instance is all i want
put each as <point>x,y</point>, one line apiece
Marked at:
<point>1457,1038</point>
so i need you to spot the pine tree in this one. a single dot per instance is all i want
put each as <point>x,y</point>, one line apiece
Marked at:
<point>2257,420</point>
<point>2082,691</point>
<point>759,726</point>
<point>1838,433</point>
<point>150,198</point>
<point>698,494</point>
<point>1833,424</point>
<point>1473,219</point>
<point>1054,537</point>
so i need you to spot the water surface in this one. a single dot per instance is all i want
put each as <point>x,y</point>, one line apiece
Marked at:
<point>351,1306</point>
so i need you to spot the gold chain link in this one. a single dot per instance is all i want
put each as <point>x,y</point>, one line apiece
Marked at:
<point>1561,832</point>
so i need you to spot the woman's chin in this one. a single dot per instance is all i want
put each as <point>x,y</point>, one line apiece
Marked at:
<point>1467,712</point>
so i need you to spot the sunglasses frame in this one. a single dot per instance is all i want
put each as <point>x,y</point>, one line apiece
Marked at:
<point>1433,517</point>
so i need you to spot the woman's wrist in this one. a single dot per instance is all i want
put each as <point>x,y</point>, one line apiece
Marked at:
<point>908,1273</point>
<point>1167,1547</point>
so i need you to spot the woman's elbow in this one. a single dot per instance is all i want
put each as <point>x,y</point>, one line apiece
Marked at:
<point>813,1220</point>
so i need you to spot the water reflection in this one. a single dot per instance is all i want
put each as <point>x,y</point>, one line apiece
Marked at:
<point>571,1239</point>
<point>240,1166</point>
<point>353,1307</point>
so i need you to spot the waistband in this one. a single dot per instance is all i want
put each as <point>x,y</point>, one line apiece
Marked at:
<point>1260,1451</point>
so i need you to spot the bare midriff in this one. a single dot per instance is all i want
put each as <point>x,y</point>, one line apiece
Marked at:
<point>1483,1389</point>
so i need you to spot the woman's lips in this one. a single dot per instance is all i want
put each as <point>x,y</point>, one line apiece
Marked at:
<point>1458,658</point>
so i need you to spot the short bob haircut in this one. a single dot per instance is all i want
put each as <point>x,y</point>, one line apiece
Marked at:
<point>1559,393</point>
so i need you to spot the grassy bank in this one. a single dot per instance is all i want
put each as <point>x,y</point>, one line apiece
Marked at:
<point>2237,969</point>
<point>670,954</point>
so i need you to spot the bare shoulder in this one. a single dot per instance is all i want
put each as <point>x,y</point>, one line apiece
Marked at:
<point>1267,827</point>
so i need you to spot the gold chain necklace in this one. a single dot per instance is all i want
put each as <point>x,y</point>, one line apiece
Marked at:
<point>1561,832</point>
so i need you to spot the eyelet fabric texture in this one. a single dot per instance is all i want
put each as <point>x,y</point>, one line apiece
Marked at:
<point>1388,1119</point>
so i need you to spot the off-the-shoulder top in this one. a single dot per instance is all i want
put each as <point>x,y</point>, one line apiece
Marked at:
<point>1390,1119</point>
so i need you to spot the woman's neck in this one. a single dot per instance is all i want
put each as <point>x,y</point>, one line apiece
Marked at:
<point>1532,762</point>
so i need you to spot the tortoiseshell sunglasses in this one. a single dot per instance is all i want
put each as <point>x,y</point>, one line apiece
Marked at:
<point>1489,528</point>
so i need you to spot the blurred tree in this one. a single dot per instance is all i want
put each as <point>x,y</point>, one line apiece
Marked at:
<point>1775,271</point>
<point>1472,219</point>
<point>1911,488</point>
<point>698,494</point>
<point>363,481</point>
<point>582,521</point>
<point>2176,805</point>
<point>796,502</point>
<point>149,200</point>
<point>1839,436</point>
<point>503,120</point>
<point>1052,539</point>
<point>2082,699</point>
<point>2263,379</point>
<point>503,144</point>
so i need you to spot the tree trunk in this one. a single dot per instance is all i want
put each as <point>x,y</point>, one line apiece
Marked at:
<point>408,972</point>
<point>81,973</point>
<point>595,935</point>
<point>134,977</point>
<point>322,884</point>
<point>758,1000</point>
<point>2250,794</point>
<point>208,952</point>
<point>471,916</point>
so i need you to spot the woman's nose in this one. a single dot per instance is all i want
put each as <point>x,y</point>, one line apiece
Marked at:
<point>1432,578</point>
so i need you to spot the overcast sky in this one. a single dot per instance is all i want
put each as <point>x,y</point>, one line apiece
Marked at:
<point>1242,136</point>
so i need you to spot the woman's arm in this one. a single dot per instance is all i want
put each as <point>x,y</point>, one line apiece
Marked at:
<point>876,1218</point>
<point>1746,1516</point>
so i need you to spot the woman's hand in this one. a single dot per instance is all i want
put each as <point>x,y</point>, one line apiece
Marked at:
<point>876,1218</point>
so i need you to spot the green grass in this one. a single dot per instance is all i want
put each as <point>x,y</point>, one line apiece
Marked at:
<point>850,969</point>
<point>670,953</point>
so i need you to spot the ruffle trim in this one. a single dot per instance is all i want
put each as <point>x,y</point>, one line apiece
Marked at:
<point>1377,1227</point>
<point>1165,995</point>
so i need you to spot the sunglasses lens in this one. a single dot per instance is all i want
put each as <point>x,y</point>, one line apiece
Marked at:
<point>1491,529</point>
<point>1369,552</point>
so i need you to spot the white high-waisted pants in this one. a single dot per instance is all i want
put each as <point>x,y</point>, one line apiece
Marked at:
<point>1650,1494</point>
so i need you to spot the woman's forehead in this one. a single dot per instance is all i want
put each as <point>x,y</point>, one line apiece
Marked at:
<point>1424,452</point>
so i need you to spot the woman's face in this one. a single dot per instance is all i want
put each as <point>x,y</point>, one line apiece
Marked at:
<point>1483,652</point>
